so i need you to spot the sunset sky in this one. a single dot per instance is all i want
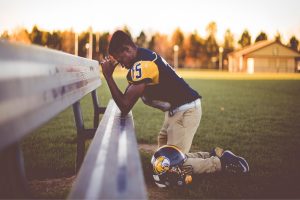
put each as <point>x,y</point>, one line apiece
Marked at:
<point>164,16</point>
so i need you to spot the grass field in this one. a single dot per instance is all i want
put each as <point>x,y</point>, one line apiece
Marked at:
<point>256,116</point>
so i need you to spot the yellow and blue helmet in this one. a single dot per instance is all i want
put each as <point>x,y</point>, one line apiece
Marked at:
<point>168,168</point>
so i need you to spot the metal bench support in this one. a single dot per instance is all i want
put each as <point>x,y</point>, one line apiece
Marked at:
<point>12,173</point>
<point>82,133</point>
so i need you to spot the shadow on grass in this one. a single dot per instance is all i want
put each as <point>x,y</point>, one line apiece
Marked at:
<point>256,185</point>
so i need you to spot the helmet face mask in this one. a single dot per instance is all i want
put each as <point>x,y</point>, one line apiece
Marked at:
<point>168,168</point>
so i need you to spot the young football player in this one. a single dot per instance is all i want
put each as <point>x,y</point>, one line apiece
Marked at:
<point>153,80</point>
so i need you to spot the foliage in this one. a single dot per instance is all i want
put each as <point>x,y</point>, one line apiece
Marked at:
<point>228,47</point>
<point>278,37</point>
<point>126,30</point>
<point>151,44</point>
<point>54,40</point>
<point>178,39</point>
<point>294,43</point>
<point>245,39</point>
<point>211,46</point>
<point>68,41</point>
<point>36,36</point>
<point>19,35</point>
<point>195,51</point>
<point>103,44</point>
<point>141,40</point>
<point>228,41</point>
<point>261,36</point>
<point>5,35</point>
<point>162,46</point>
<point>194,46</point>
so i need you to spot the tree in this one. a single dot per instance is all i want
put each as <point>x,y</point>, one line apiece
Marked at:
<point>227,48</point>
<point>5,35</point>
<point>127,31</point>
<point>141,40</point>
<point>103,44</point>
<point>228,44</point>
<point>68,41</point>
<point>211,46</point>
<point>20,35</point>
<point>278,37</point>
<point>294,43</point>
<point>151,44</point>
<point>228,41</point>
<point>83,40</point>
<point>211,28</point>
<point>194,48</point>
<point>45,38</point>
<point>54,40</point>
<point>161,45</point>
<point>195,45</point>
<point>245,39</point>
<point>36,36</point>
<point>178,39</point>
<point>261,36</point>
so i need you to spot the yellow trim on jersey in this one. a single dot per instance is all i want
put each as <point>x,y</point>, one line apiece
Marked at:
<point>145,71</point>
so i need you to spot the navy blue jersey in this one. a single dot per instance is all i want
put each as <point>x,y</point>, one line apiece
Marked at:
<point>163,84</point>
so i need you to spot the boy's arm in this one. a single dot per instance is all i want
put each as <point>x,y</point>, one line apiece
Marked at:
<point>124,101</point>
<point>127,100</point>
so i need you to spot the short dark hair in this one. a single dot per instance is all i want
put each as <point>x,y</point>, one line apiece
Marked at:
<point>118,40</point>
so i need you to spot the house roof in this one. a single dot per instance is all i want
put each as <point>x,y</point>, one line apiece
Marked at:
<point>256,46</point>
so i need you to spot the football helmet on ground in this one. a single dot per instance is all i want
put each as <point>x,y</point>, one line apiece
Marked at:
<point>168,168</point>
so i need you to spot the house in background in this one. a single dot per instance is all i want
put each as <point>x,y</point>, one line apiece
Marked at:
<point>264,56</point>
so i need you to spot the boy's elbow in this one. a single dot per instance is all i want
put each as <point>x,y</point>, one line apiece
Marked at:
<point>125,110</point>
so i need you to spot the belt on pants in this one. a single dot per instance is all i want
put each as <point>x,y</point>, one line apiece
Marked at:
<point>184,107</point>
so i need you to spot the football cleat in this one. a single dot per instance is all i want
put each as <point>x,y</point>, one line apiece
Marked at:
<point>233,164</point>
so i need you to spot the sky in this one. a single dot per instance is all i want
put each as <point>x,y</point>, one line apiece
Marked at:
<point>270,16</point>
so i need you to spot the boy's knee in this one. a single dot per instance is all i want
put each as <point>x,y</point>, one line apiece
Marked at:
<point>162,140</point>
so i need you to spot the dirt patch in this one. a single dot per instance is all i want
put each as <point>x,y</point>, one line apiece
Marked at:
<point>51,188</point>
<point>59,188</point>
<point>148,148</point>
<point>155,192</point>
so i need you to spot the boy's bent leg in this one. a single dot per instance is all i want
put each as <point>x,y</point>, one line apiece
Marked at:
<point>182,128</point>
<point>198,155</point>
<point>208,165</point>
<point>162,137</point>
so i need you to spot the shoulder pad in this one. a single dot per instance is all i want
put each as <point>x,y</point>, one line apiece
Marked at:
<point>144,71</point>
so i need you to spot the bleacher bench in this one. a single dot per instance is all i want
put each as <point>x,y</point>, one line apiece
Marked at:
<point>112,168</point>
<point>36,84</point>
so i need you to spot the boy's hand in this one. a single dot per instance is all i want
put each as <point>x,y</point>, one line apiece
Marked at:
<point>108,67</point>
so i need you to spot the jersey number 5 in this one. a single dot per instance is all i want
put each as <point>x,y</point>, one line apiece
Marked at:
<point>137,71</point>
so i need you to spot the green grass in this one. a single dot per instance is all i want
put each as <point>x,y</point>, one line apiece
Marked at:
<point>258,119</point>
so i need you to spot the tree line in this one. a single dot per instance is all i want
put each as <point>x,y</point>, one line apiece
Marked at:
<point>193,49</point>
